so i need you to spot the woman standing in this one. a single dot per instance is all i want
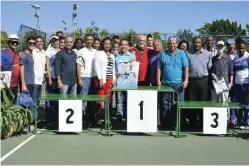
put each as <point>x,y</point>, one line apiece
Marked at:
<point>78,44</point>
<point>104,69</point>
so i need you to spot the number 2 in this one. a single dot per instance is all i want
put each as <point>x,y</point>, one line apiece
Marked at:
<point>68,121</point>
<point>141,104</point>
<point>215,120</point>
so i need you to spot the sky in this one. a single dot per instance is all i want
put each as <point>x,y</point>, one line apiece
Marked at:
<point>164,17</point>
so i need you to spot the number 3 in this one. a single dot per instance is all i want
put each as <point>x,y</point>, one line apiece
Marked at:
<point>68,121</point>
<point>215,120</point>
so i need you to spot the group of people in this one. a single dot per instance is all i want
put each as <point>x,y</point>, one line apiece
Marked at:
<point>91,66</point>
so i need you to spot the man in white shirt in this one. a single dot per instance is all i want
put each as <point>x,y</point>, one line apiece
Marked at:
<point>85,67</point>
<point>51,87</point>
<point>39,57</point>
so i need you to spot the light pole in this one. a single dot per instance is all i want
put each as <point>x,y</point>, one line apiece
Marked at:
<point>74,15</point>
<point>64,25</point>
<point>37,15</point>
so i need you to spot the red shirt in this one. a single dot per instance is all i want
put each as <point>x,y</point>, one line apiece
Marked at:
<point>143,63</point>
<point>15,78</point>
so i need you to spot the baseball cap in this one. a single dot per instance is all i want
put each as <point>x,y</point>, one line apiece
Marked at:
<point>220,43</point>
<point>230,42</point>
<point>12,37</point>
<point>54,37</point>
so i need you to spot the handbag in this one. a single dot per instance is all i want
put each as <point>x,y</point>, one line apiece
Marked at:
<point>25,99</point>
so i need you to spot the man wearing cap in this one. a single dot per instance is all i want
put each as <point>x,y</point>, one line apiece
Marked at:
<point>10,62</point>
<point>222,66</point>
<point>51,78</point>
<point>231,48</point>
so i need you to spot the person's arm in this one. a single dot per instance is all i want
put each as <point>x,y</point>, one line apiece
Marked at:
<point>159,73</point>
<point>209,62</point>
<point>24,87</point>
<point>48,70</point>
<point>116,67</point>
<point>58,69</point>
<point>231,73</point>
<point>79,62</point>
<point>113,74</point>
<point>185,64</point>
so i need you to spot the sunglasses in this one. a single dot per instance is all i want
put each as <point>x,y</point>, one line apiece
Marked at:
<point>14,42</point>
<point>32,43</point>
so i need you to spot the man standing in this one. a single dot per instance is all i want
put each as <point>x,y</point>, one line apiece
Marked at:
<point>153,60</point>
<point>10,62</point>
<point>65,68</point>
<point>116,39</point>
<point>39,57</point>
<point>131,41</point>
<point>210,46</point>
<point>171,66</point>
<point>200,62</point>
<point>231,48</point>
<point>85,67</point>
<point>222,66</point>
<point>141,52</point>
<point>150,40</point>
<point>27,69</point>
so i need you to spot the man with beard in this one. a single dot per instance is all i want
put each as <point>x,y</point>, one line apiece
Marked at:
<point>141,52</point>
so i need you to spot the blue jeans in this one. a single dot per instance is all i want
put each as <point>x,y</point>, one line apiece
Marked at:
<point>36,96</point>
<point>240,94</point>
<point>84,91</point>
<point>121,100</point>
<point>68,89</point>
<point>167,98</point>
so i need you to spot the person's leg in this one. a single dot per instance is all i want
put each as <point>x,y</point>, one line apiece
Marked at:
<point>120,105</point>
<point>214,96</point>
<point>14,90</point>
<point>84,91</point>
<point>64,89</point>
<point>73,89</point>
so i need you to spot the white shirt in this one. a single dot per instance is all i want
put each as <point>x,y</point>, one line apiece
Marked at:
<point>85,59</point>
<point>50,52</point>
<point>242,75</point>
<point>76,51</point>
<point>100,65</point>
<point>39,65</point>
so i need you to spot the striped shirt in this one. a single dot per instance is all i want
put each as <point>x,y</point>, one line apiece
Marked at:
<point>110,65</point>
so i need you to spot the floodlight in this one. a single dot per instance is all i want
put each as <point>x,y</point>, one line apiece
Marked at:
<point>35,6</point>
<point>75,6</point>
<point>64,22</point>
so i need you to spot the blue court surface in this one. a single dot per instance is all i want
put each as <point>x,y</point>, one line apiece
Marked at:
<point>91,148</point>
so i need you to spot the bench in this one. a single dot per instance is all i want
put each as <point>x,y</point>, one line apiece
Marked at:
<point>58,97</point>
<point>195,105</point>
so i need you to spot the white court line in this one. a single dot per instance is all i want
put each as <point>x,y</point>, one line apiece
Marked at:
<point>18,147</point>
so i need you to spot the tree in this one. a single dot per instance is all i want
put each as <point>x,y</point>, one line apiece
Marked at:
<point>156,35</point>
<point>185,34</point>
<point>104,33</point>
<point>247,28</point>
<point>4,38</point>
<point>78,33</point>
<point>92,29</point>
<point>25,37</point>
<point>222,29</point>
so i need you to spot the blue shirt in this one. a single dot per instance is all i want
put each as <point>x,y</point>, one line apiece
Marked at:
<point>172,66</point>
<point>28,62</point>
<point>123,58</point>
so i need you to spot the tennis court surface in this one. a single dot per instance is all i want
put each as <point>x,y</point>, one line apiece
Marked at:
<point>65,149</point>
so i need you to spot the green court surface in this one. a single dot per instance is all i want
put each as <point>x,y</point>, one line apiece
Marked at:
<point>89,149</point>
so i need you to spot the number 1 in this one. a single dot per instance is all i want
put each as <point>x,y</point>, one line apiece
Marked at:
<point>141,104</point>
